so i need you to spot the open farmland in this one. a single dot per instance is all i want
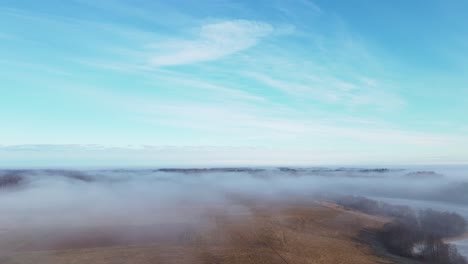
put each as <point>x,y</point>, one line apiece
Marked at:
<point>292,233</point>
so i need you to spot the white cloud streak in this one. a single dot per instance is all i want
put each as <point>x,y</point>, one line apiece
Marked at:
<point>213,41</point>
<point>260,92</point>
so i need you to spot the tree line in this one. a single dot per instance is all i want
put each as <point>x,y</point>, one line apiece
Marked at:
<point>416,234</point>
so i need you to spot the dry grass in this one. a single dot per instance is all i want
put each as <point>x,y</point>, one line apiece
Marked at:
<point>294,233</point>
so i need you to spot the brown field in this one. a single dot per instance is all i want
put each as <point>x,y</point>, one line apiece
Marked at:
<point>293,233</point>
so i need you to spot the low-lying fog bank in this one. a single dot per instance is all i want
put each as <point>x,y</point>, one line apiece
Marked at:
<point>101,200</point>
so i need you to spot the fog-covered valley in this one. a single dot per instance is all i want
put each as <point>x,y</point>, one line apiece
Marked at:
<point>35,195</point>
<point>120,207</point>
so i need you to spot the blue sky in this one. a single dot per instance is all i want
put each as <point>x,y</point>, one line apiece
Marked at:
<point>199,83</point>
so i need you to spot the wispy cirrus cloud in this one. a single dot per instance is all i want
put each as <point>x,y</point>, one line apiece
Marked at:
<point>212,41</point>
<point>328,89</point>
<point>215,88</point>
<point>295,75</point>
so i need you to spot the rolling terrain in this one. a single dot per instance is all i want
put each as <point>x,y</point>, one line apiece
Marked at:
<point>262,233</point>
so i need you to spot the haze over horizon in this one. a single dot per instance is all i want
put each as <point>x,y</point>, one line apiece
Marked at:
<point>233,83</point>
